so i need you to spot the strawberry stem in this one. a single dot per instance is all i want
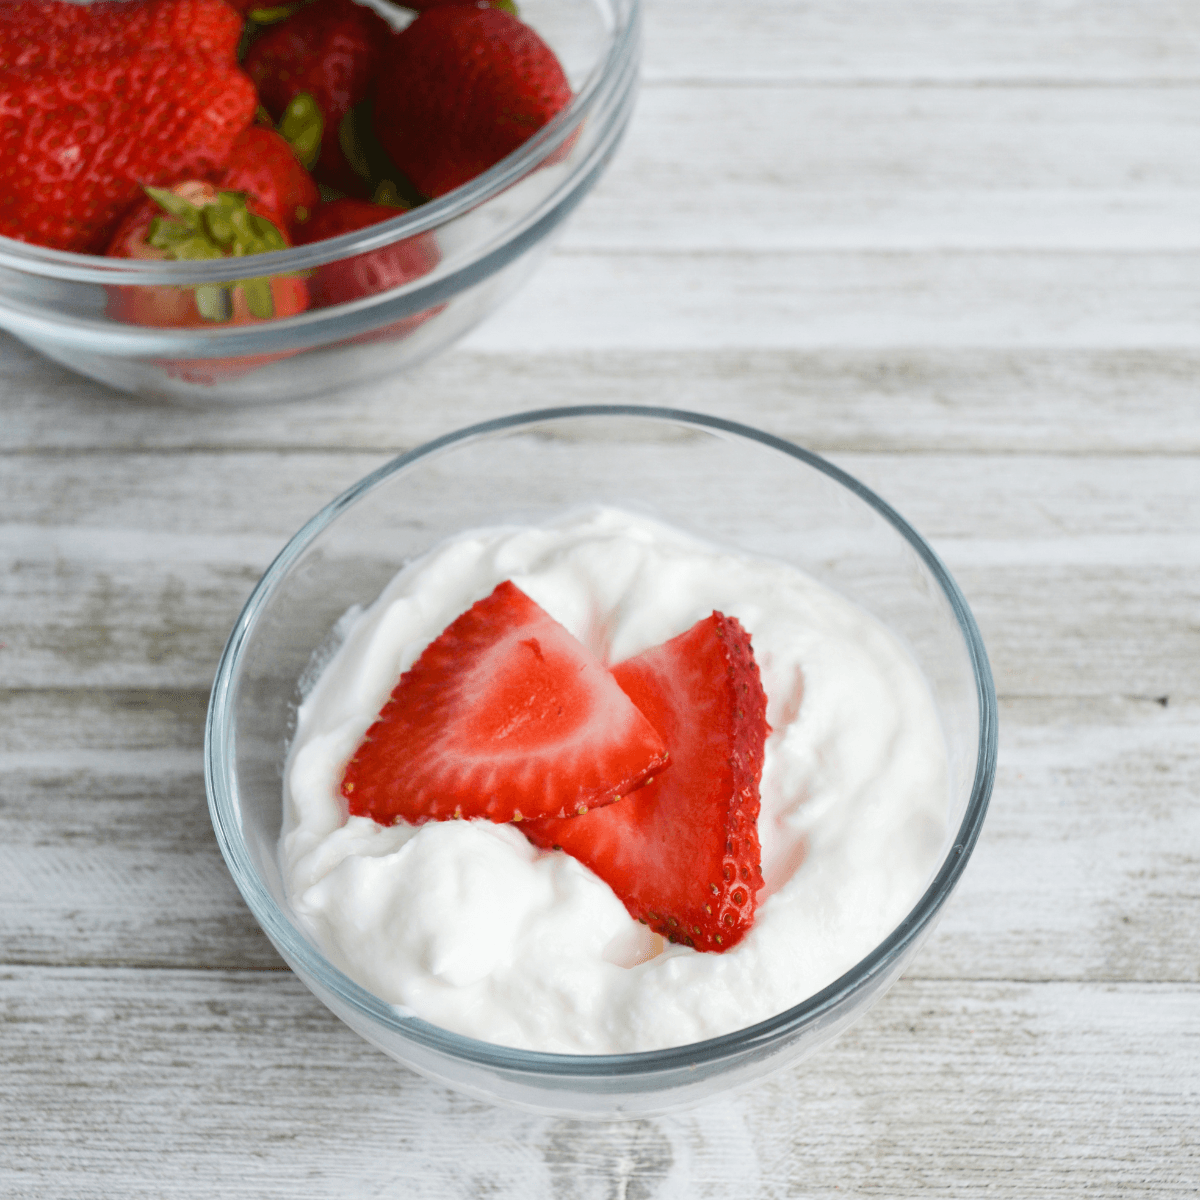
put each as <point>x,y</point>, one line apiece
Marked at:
<point>213,302</point>
<point>222,228</point>
<point>386,193</point>
<point>301,126</point>
<point>271,15</point>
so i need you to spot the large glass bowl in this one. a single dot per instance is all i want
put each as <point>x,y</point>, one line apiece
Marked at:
<point>484,238</point>
<point>724,482</point>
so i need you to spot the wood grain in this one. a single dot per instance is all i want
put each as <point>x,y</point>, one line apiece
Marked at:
<point>771,168</point>
<point>228,1084</point>
<point>130,569</point>
<point>107,857</point>
<point>873,300</point>
<point>954,245</point>
<point>967,400</point>
<point>934,41</point>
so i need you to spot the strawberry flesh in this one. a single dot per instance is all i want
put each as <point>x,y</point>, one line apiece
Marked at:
<point>504,716</point>
<point>682,853</point>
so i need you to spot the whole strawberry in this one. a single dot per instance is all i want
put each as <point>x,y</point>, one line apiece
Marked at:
<point>195,222</point>
<point>371,273</point>
<point>264,166</point>
<point>78,141</point>
<point>49,33</point>
<point>365,274</point>
<point>331,50</point>
<point>461,88</point>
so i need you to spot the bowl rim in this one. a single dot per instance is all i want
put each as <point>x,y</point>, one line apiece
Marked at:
<point>224,805</point>
<point>622,35</point>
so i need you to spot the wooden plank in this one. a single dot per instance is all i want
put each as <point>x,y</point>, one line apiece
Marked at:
<point>935,41</point>
<point>129,570</point>
<point>772,168</point>
<point>870,301</point>
<point>1111,402</point>
<point>1087,868</point>
<point>231,509</point>
<point>1089,863</point>
<point>107,855</point>
<point>210,1084</point>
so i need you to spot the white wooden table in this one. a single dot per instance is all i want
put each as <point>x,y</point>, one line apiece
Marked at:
<point>952,244</point>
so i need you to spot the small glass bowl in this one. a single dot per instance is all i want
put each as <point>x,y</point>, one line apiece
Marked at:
<point>476,245</point>
<point>724,482</point>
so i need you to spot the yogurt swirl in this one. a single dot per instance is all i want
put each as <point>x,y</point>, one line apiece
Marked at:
<point>470,927</point>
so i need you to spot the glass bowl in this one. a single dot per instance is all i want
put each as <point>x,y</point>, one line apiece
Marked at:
<point>724,482</point>
<point>476,245</point>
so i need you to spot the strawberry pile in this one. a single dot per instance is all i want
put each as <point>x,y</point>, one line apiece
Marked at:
<point>317,113</point>
<point>647,773</point>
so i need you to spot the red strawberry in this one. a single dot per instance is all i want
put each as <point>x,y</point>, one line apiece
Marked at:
<point>263,165</point>
<point>461,88</point>
<point>47,33</point>
<point>504,716</point>
<point>371,273</point>
<point>77,143</point>
<point>682,853</point>
<point>195,222</point>
<point>330,49</point>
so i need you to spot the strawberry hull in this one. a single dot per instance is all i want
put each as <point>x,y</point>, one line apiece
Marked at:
<point>331,50</point>
<point>175,308</point>
<point>262,165</point>
<point>213,306</point>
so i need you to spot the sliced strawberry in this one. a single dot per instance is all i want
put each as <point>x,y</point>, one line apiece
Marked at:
<point>504,716</point>
<point>682,853</point>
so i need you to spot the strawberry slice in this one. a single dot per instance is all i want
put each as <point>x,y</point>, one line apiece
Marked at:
<point>682,853</point>
<point>504,716</point>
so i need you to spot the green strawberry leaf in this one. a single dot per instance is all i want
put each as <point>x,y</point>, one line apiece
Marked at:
<point>301,126</point>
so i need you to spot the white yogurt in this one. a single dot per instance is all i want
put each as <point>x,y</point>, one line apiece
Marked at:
<point>469,926</point>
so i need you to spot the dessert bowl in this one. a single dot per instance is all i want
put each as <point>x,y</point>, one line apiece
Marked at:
<point>480,241</point>
<point>726,483</point>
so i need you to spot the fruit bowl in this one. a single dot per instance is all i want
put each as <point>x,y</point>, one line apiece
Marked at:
<point>476,245</point>
<point>722,482</point>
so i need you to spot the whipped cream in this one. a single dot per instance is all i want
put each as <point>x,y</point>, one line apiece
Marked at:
<point>467,925</point>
